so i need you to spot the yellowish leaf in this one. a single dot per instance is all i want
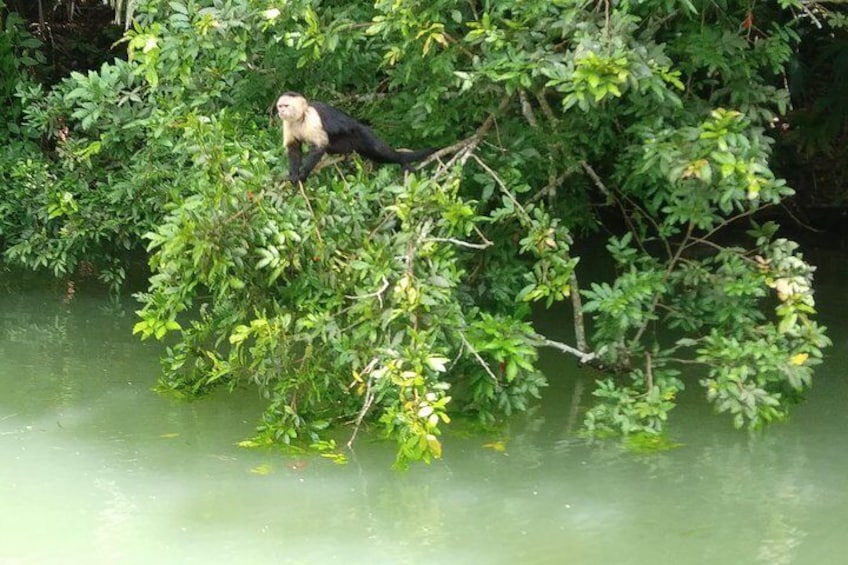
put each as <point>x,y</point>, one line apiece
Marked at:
<point>799,358</point>
<point>435,445</point>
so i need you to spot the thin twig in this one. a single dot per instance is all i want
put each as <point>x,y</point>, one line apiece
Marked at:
<point>369,400</point>
<point>719,248</point>
<point>798,220</point>
<point>502,185</point>
<point>810,13</point>
<point>551,187</point>
<point>606,191</point>
<point>546,108</point>
<point>378,293</point>
<point>527,109</point>
<point>311,211</point>
<point>479,359</point>
<point>732,219</point>
<point>461,243</point>
<point>671,265</point>
<point>464,148</point>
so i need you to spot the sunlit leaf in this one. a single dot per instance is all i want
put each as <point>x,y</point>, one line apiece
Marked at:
<point>799,358</point>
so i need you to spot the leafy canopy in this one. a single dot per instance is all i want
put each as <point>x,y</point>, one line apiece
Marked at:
<point>367,296</point>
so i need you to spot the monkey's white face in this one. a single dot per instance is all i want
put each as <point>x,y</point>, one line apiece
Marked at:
<point>290,107</point>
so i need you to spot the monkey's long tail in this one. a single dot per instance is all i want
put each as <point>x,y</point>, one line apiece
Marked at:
<point>378,150</point>
<point>409,157</point>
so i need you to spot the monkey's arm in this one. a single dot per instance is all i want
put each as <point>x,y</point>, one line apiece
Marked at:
<point>312,158</point>
<point>295,153</point>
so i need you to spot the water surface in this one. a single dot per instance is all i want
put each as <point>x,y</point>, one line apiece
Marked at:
<point>95,468</point>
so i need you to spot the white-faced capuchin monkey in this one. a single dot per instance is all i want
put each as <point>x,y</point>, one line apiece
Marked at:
<point>329,130</point>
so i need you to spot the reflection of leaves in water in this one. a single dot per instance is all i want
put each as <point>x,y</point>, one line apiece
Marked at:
<point>499,446</point>
<point>264,469</point>
<point>779,549</point>
<point>521,433</point>
<point>114,308</point>
<point>113,520</point>
<point>648,443</point>
<point>53,333</point>
<point>778,488</point>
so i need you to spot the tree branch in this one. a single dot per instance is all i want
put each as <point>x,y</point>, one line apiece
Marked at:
<point>582,356</point>
<point>464,148</point>
<point>461,243</point>
<point>527,109</point>
<point>378,293</point>
<point>502,185</point>
<point>546,108</point>
<point>730,220</point>
<point>366,404</point>
<point>476,355</point>
<point>577,313</point>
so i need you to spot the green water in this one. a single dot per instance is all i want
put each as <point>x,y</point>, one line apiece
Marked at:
<point>95,468</point>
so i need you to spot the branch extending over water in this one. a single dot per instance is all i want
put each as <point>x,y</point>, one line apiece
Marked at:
<point>577,308</point>
<point>582,356</point>
<point>366,404</point>
<point>625,215</point>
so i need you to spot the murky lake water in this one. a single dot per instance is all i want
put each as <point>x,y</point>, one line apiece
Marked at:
<point>95,468</point>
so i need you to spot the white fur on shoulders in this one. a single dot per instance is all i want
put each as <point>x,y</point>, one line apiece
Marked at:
<point>309,130</point>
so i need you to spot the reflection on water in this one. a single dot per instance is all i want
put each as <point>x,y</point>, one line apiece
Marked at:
<point>97,469</point>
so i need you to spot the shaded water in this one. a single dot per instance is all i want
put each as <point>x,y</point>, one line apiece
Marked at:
<point>94,468</point>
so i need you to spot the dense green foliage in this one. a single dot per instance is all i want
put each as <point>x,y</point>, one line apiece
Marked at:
<point>370,296</point>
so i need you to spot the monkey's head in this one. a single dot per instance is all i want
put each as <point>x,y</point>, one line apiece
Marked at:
<point>291,106</point>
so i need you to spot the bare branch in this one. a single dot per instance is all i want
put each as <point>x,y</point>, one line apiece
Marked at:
<point>551,187</point>
<point>812,15</point>
<point>311,212</point>
<point>527,109</point>
<point>369,400</point>
<point>502,185</point>
<point>582,356</point>
<point>461,243</point>
<point>476,355</point>
<point>649,371</point>
<point>732,219</point>
<point>464,148</point>
<point>577,312</point>
<point>603,188</point>
<point>546,108</point>
<point>377,293</point>
<point>596,179</point>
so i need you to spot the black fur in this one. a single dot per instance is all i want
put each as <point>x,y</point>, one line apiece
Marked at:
<point>348,135</point>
